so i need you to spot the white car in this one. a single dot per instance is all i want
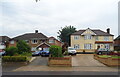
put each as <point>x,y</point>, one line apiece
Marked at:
<point>71,51</point>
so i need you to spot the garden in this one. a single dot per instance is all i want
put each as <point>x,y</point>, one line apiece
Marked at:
<point>20,53</point>
<point>110,59</point>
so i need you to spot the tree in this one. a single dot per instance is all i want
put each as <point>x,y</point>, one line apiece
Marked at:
<point>11,51</point>
<point>64,33</point>
<point>23,47</point>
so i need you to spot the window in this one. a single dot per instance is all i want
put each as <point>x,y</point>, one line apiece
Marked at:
<point>76,46</point>
<point>27,41</point>
<point>12,42</point>
<point>33,49</point>
<point>97,38</point>
<point>107,46</point>
<point>86,37</point>
<point>51,41</point>
<point>106,38</point>
<point>34,41</point>
<point>76,37</point>
<point>87,46</point>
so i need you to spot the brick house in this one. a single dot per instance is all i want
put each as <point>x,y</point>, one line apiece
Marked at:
<point>117,43</point>
<point>54,41</point>
<point>90,39</point>
<point>32,39</point>
<point>4,41</point>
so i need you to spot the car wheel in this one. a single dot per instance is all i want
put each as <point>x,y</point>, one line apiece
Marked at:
<point>100,53</point>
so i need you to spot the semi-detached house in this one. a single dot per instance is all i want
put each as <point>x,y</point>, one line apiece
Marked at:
<point>90,39</point>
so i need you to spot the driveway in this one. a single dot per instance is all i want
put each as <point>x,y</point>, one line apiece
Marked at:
<point>86,60</point>
<point>39,61</point>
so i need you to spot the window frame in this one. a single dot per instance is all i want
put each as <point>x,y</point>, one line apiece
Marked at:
<point>76,46</point>
<point>34,41</point>
<point>76,37</point>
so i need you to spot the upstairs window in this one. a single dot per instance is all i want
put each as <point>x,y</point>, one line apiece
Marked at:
<point>12,42</point>
<point>97,38</point>
<point>34,41</point>
<point>106,38</point>
<point>51,41</point>
<point>76,37</point>
<point>88,37</point>
<point>27,41</point>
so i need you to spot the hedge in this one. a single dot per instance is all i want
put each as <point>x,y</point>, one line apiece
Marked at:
<point>56,51</point>
<point>14,58</point>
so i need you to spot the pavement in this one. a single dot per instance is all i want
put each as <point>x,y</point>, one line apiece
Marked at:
<point>81,64</point>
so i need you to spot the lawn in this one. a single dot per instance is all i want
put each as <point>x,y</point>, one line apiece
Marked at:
<point>106,56</point>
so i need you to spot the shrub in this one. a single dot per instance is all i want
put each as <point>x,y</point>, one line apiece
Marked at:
<point>56,51</point>
<point>23,47</point>
<point>11,51</point>
<point>14,58</point>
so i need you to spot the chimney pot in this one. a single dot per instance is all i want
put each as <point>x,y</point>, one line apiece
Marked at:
<point>108,30</point>
<point>36,31</point>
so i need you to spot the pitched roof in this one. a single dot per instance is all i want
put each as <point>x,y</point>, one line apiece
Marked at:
<point>4,38</point>
<point>118,38</point>
<point>97,32</point>
<point>29,36</point>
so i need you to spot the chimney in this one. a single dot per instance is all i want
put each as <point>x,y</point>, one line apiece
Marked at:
<point>36,31</point>
<point>108,30</point>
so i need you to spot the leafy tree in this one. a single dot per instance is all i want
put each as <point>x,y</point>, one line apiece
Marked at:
<point>23,47</point>
<point>64,33</point>
<point>11,51</point>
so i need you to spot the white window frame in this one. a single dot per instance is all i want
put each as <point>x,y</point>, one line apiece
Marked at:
<point>77,46</point>
<point>107,46</point>
<point>33,49</point>
<point>27,41</point>
<point>76,37</point>
<point>97,38</point>
<point>51,41</point>
<point>12,42</point>
<point>88,46</point>
<point>88,37</point>
<point>106,38</point>
<point>34,41</point>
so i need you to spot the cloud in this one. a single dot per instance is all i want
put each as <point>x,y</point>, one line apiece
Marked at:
<point>48,16</point>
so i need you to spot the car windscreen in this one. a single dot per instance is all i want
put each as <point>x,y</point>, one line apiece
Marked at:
<point>71,48</point>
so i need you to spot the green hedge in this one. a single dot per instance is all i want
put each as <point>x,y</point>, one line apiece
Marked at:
<point>56,51</point>
<point>14,58</point>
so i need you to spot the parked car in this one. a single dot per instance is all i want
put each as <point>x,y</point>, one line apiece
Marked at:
<point>45,53</point>
<point>71,51</point>
<point>102,51</point>
<point>36,53</point>
<point>2,53</point>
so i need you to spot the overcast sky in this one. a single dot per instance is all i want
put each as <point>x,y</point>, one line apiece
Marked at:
<point>48,16</point>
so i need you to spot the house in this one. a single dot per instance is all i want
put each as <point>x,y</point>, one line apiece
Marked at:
<point>90,39</point>
<point>4,40</point>
<point>54,41</point>
<point>35,40</point>
<point>117,43</point>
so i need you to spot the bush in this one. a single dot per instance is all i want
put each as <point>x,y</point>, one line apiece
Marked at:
<point>11,51</point>
<point>14,58</point>
<point>23,47</point>
<point>56,51</point>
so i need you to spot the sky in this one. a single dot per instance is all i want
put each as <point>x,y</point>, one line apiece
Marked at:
<point>48,16</point>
